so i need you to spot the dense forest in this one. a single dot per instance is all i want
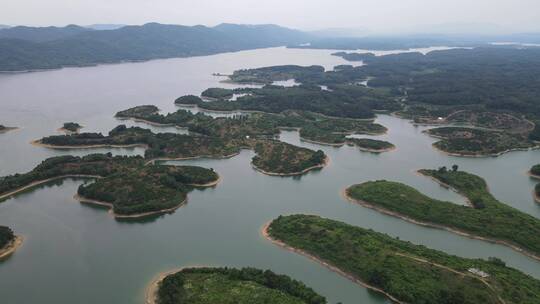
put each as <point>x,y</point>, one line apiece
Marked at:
<point>371,145</point>
<point>410,273</point>
<point>6,236</point>
<point>144,189</point>
<point>27,48</point>
<point>229,285</point>
<point>129,184</point>
<point>486,217</point>
<point>281,158</point>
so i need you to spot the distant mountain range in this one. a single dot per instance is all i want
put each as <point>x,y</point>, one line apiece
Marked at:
<point>30,48</point>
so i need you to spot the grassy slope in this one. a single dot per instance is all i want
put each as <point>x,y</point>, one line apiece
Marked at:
<point>488,218</point>
<point>404,270</point>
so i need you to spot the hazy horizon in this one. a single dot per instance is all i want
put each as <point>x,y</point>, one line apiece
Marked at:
<point>369,17</point>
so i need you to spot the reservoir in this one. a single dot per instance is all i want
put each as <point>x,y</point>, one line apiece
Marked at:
<point>74,253</point>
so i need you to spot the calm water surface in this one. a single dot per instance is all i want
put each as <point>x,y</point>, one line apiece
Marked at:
<point>74,253</point>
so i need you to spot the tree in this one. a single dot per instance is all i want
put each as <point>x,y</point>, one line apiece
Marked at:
<point>455,168</point>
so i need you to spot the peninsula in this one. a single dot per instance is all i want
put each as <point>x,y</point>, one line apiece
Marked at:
<point>229,285</point>
<point>486,218</point>
<point>128,185</point>
<point>9,242</point>
<point>402,271</point>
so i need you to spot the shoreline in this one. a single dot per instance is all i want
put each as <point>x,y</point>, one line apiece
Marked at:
<point>207,185</point>
<point>160,159</point>
<point>69,132</point>
<point>375,150</point>
<point>266,235</point>
<point>152,123</point>
<point>320,166</point>
<point>531,175</point>
<point>85,200</point>
<point>483,155</point>
<point>385,211</point>
<point>322,143</point>
<point>11,247</point>
<point>38,143</point>
<point>43,181</point>
<point>446,186</point>
<point>7,129</point>
<point>536,196</point>
<point>150,293</point>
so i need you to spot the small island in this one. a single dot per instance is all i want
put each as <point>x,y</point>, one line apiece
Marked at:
<point>534,172</point>
<point>486,218</point>
<point>473,142</point>
<point>4,129</point>
<point>273,157</point>
<point>282,159</point>
<point>188,100</point>
<point>402,271</point>
<point>147,190</point>
<point>217,93</point>
<point>228,285</point>
<point>371,145</point>
<point>9,242</point>
<point>128,185</point>
<point>71,128</point>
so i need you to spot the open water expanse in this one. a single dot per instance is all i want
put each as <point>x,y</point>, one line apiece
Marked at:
<point>74,253</point>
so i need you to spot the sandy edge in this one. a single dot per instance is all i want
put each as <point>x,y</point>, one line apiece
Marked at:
<point>85,200</point>
<point>39,182</point>
<point>535,196</point>
<point>207,185</point>
<point>150,294</point>
<point>266,235</point>
<point>11,247</point>
<point>320,166</point>
<point>523,251</point>
<point>38,143</point>
<point>7,129</point>
<point>533,175</point>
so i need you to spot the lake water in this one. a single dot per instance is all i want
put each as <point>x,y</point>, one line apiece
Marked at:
<point>75,253</point>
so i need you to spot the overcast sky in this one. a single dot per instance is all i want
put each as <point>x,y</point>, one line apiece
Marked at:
<point>377,15</point>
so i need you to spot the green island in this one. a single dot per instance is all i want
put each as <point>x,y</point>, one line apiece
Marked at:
<point>217,93</point>
<point>371,145</point>
<point>279,158</point>
<point>128,185</point>
<point>402,271</point>
<point>188,100</point>
<point>486,218</point>
<point>71,127</point>
<point>462,141</point>
<point>536,193</point>
<point>313,127</point>
<point>229,285</point>
<point>170,146</point>
<point>9,242</point>
<point>535,171</point>
<point>4,129</point>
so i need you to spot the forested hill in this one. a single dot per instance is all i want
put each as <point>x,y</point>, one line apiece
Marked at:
<point>26,48</point>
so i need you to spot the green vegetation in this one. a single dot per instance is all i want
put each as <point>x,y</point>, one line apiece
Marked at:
<point>54,167</point>
<point>129,185</point>
<point>312,126</point>
<point>72,127</point>
<point>372,145</point>
<point>217,93</point>
<point>45,48</point>
<point>6,237</point>
<point>535,170</point>
<point>477,142</point>
<point>410,273</point>
<point>227,285</point>
<point>188,100</point>
<point>486,217</point>
<point>281,158</point>
<point>267,75</point>
<point>537,193</point>
<point>344,100</point>
<point>144,189</point>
